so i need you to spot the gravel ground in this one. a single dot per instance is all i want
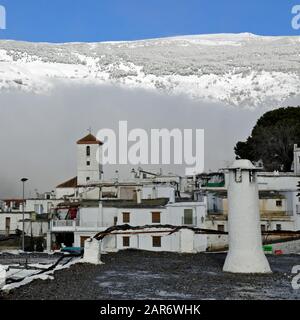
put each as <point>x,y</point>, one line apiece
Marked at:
<point>148,275</point>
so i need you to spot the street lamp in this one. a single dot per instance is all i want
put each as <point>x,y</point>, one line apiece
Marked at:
<point>23,180</point>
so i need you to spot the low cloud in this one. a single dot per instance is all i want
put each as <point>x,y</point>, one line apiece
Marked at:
<point>38,133</point>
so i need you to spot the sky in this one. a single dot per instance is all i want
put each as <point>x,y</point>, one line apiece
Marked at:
<point>37,143</point>
<point>109,20</point>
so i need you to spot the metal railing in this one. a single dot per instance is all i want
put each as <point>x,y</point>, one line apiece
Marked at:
<point>74,224</point>
<point>64,223</point>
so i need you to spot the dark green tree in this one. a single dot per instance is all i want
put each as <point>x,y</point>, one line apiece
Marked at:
<point>272,139</point>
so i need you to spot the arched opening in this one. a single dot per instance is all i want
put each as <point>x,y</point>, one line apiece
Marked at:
<point>88,151</point>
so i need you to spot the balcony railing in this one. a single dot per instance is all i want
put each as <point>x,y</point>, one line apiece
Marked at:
<point>73,225</point>
<point>64,225</point>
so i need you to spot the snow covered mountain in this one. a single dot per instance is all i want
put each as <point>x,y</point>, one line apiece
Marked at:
<point>236,69</point>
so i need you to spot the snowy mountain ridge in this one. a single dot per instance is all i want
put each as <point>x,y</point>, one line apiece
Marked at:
<point>235,69</point>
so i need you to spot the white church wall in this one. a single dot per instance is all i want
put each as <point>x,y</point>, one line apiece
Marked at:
<point>60,193</point>
<point>87,165</point>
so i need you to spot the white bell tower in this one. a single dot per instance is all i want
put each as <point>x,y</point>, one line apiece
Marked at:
<point>89,166</point>
<point>245,253</point>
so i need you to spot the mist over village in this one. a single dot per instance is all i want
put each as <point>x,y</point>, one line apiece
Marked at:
<point>153,164</point>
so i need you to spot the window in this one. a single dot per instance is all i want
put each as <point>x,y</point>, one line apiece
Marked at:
<point>251,176</point>
<point>156,241</point>
<point>88,151</point>
<point>238,175</point>
<point>221,227</point>
<point>278,227</point>
<point>188,216</point>
<point>278,203</point>
<point>115,221</point>
<point>126,217</point>
<point>126,241</point>
<point>15,205</point>
<point>87,178</point>
<point>88,163</point>
<point>155,217</point>
<point>263,227</point>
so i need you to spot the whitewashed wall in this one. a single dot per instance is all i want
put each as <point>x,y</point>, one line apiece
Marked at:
<point>296,210</point>
<point>93,217</point>
<point>35,228</point>
<point>144,242</point>
<point>156,191</point>
<point>41,205</point>
<point>84,171</point>
<point>273,182</point>
<point>61,192</point>
<point>14,220</point>
<point>108,244</point>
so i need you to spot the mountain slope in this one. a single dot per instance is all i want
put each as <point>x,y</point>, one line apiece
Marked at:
<point>236,69</point>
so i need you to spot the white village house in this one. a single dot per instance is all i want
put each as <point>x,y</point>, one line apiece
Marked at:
<point>152,198</point>
<point>87,204</point>
<point>95,216</point>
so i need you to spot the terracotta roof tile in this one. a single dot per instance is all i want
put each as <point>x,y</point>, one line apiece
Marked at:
<point>72,183</point>
<point>89,139</point>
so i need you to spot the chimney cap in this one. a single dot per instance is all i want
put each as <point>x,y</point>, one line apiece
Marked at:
<point>242,164</point>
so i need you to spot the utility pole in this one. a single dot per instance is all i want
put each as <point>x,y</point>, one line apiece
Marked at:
<point>23,180</point>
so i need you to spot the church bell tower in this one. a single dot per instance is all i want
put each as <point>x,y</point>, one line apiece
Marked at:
<point>89,166</point>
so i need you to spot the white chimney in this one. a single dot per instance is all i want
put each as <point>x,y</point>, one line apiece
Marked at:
<point>133,174</point>
<point>245,253</point>
<point>296,163</point>
<point>2,276</point>
<point>172,195</point>
<point>138,196</point>
<point>154,193</point>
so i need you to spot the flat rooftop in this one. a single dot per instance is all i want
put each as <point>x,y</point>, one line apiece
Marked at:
<point>148,275</point>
